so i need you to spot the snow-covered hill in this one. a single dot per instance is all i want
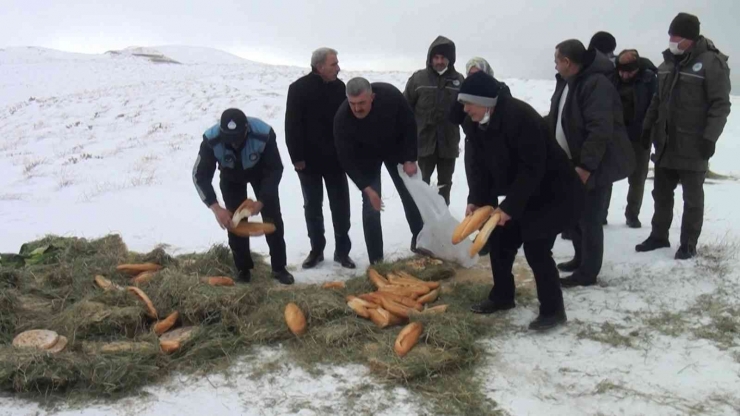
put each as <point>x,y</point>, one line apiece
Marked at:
<point>97,144</point>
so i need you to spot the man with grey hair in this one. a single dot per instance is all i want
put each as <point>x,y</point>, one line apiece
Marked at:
<point>431,92</point>
<point>376,126</point>
<point>309,116</point>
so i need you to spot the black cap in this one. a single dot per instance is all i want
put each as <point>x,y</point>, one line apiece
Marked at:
<point>444,49</point>
<point>233,124</point>
<point>686,26</point>
<point>603,42</point>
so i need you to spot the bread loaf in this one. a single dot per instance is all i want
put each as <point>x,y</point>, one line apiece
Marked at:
<point>358,305</point>
<point>253,229</point>
<point>409,279</point>
<point>166,324</point>
<point>383,319</point>
<point>41,339</point>
<point>218,281</point>
<point>143,278</point>
<point>477,218</point>
<point>482,238</point>
<point>376,278</point>
<point>134,269</point>
<point>407,338</point>
<point>333,285</point>
<point>295,319</point>
<point>394,307</point>
<point>150,310</point>
<point>429,297</point>
<point>244,210</point>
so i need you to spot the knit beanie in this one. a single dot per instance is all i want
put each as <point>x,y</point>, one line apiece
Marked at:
<point>479,89</point>
<point>686,26</point>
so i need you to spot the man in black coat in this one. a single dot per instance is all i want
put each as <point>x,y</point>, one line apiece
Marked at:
<point>636,86</point>
<point>586,117</point>
<point>376,126</point>
<point>245,151</point>
<point>510,152</point>
<point>312,102</point>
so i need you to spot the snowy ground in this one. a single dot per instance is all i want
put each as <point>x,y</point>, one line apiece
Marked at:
<point>92,145</point>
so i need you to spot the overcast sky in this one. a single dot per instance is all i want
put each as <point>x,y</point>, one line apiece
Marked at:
<point>517,37</point>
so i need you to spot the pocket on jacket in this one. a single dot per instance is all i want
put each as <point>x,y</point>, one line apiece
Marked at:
<point>691,90</point>
<point>688,143</point>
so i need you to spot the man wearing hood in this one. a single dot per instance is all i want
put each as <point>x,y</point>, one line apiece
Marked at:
<point>511,153</point>
<point>586,119</point>
<point>685,119</point>
<point>431,92</point>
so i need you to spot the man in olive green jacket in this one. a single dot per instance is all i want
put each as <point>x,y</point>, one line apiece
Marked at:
<point>431,92</point>
<point>686,117</point>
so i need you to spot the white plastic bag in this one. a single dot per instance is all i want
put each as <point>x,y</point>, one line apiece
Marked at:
<point>436,235</point>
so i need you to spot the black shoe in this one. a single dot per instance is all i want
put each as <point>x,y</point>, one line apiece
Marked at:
<point>634,223</point>
<point>489,306</point>
<point>566,235</point>
<point>345,261</point>
<point>244,276</point>
<point>544,322</point>
<point>569,266</point>
<point>651,244</point>
<point>283,276</point>
<point>685,252</point>
<point>313,259</point>
<point>413,246</point>
<point>573,281</point>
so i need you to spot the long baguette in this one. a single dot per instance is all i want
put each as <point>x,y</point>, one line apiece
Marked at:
<point>407,277</point>
<point>253,229</point>
<point>412,292</point>
<point>407,338</point>
<point>405,301</point>
<point>477,218</point>
<point>482,238</point>
<point>395,307</point>
<point>429,297</point>
<point>376,278</point>
<point>383,319</point>
<point>457,235</point>
<point>244,211</point>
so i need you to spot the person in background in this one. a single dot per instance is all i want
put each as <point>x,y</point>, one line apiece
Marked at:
<point>430,92</point>
<point>246,152</point>
<point>686,118</point>
<point>312,102</point>
<point>636,86</point>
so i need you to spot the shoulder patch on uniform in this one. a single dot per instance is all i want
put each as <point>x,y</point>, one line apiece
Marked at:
<point>697,67</point>
<point>456,83</point>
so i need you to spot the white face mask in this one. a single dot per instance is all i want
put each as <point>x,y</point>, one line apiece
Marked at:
<point>673,47</point>
<point>486,118</point>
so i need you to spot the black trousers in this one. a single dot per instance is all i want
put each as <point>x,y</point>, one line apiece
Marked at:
<point>588,236</point>
<point>337,190</point>
<point>371,218</point>
<point>504,243</point>
<point>445,169</point>
<point>234,194</point>
<point>637,181</point>
<point>692,183</point>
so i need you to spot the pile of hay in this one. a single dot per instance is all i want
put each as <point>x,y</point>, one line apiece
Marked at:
<point>112,351</point>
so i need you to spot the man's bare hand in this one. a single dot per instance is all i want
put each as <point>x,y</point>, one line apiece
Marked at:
<point>374,198</point>
<point>470,209</point>
<point>503,217</point>
<point>409,168</point>
<point>257,208</point>
<point>583,174</point>
<point>223,216</point>
<point>300,165</point>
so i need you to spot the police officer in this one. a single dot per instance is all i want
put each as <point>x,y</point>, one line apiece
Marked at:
<point>246,152</point>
